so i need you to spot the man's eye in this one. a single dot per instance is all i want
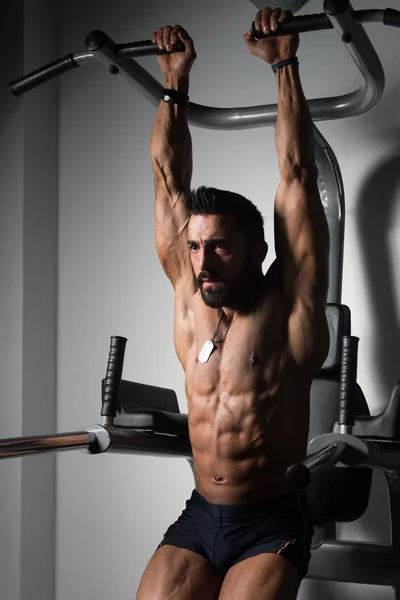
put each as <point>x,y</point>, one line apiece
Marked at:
<point>221,246</point>
<point>193,247</point>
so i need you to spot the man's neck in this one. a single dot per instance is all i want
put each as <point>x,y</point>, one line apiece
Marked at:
<point>248,300</point>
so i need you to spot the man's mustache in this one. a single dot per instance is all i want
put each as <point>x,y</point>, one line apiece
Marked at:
<point>207,275</point>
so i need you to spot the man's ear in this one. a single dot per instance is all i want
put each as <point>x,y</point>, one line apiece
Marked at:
<point>259,252</point>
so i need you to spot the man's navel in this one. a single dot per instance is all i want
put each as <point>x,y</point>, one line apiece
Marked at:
<point>219,479</point>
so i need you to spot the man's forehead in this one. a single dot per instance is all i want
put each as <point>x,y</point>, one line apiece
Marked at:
<point>212,225</point>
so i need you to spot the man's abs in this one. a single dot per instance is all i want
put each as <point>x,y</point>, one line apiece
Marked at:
<point>241,452</point>
<point>248,414</point>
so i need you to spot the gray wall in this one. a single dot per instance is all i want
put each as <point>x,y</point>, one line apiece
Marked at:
<point>28,271</point>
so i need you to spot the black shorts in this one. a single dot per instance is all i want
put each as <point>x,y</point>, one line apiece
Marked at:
<point>226,535</point>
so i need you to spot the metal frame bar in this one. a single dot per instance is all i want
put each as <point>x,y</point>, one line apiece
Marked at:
<point>351,104</point>
<point>39,444</point>
<point>96,439</point>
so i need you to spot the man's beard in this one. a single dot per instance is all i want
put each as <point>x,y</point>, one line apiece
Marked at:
<point>232,294</point>
<point>215,296</point>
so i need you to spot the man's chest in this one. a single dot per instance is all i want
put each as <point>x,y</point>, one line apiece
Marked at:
<point>238,354</point>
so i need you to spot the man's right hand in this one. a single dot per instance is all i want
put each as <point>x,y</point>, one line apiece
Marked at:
<point>176,64</point>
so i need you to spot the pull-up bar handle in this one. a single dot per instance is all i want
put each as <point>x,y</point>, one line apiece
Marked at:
<point>94,41</point>
<point>97,39</point>
<point>36,78</point>
<point>301,24</point>
<point>320,21</point>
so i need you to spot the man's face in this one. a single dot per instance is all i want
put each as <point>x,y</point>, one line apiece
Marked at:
<point>221,259</point>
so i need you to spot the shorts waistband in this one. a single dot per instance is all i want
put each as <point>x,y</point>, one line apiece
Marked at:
<point>228,511</point>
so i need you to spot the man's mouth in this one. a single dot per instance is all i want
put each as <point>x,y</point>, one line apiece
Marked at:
<point>209,282</point>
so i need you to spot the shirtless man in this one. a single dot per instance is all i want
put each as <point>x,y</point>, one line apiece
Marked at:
<point>250,344</point>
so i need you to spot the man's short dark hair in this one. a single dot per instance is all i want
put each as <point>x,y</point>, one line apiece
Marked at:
<point>212,201</point>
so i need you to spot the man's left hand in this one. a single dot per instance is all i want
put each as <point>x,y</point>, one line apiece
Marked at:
<point>275,48</point>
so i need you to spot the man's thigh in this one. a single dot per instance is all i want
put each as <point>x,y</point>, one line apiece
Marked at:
<point>264,577</point>
<point>179,574</point>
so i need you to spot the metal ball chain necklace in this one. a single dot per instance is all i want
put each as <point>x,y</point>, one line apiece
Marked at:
<point>210,345</point>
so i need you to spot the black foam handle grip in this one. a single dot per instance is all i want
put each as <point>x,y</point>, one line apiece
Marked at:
<point>348,380</point>
<point>97,39</point>
<point>36,78</point>
<point>391,17</point>
<point>300,24</point>
<point>299,475</point>
<point>112,381</point>
<point>145,48</point>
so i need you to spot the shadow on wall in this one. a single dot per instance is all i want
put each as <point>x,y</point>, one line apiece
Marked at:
<point>376,209</point>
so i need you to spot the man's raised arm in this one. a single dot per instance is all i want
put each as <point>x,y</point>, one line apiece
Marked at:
<point>301,230</point>
<point>171,155</point>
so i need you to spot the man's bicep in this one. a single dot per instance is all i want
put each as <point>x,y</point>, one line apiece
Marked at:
<point>308,335</point>
<point>171,219</point>
<point>302,241</point>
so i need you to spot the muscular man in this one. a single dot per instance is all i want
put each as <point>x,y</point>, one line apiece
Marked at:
<point>250,344</point>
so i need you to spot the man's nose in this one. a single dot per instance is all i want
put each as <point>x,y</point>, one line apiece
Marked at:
<point>205,259</point>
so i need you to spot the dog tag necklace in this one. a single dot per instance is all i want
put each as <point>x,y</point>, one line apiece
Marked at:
<point>210,345</point>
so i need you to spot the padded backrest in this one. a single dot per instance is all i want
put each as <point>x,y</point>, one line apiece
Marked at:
<point>142,396</point>
<point>343,494</point>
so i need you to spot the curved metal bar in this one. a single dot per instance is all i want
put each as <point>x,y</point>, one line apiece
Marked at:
<point>354,103</point>
<point>253,116</point>
<point>331,190</point>
<point>337,107</point>
<point>375,15</point>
